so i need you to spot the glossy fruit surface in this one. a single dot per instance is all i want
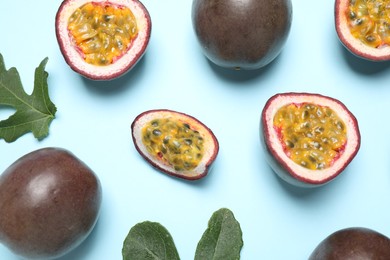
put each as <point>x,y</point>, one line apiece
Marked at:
<point>175,143</point>
<point>309,139</point>
<point>355,243</point>
<point>49,203</point>
<point>101,39</point>
<point>363,28</point>
<point>242,34</point>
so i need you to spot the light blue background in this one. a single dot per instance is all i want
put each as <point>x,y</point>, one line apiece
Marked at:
<point>278,221</point>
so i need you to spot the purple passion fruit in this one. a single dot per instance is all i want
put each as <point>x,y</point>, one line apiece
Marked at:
<point>49,204</point>
<point>309,138</point>
<point>102,39</point>
<point>353,243</point>
<point>241,34</point>
<point>363,27</point>
<point>175,143</point>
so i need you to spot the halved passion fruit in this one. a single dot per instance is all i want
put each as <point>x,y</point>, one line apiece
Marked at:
<point>102,39</point>
<point>363,27</point>
<point>175,143</point>
<point>309,138</point>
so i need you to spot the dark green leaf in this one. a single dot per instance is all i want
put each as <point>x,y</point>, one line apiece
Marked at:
<point>149,240</point>
<point>34,112</point>
<point>222,240</point>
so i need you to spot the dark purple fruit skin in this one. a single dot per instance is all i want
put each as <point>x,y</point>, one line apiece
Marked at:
<point>49,203</point>
<point>353,243</point>
<point>242,34</point>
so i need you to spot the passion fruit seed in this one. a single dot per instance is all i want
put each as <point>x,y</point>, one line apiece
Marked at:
<point>103,32</point>
<point>369,21</point>
<point>173,141</point>
<point>313,136</point>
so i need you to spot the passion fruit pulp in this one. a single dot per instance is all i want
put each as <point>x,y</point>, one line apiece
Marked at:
<point>309,139</point>
<point>175,143</point>
<point>102,39</point>
<point>353,243</point>
<point>241,34</point>
<point>363,27</point>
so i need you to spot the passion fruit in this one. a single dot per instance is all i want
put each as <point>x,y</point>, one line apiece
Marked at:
<point>175,143</point>
<point>363,27</point>
<point>353,243</point>
<point>309,138</point>
<point>49,203</point>
<point>241,34</point>
<point>102,39</point>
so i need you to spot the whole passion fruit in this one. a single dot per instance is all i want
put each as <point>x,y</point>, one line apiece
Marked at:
<point>245,34</point>
<point>309,138</point>
<point>49,203</point>
<point>363,27</point>
<point>175,143</point>
<point>102,39</point>
<point>353,243</point>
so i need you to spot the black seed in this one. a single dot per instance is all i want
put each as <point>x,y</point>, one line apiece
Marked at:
<point>340,125</point>
<point>163,149</point>
<point>320,165</point>
<point>359,21</point>
<point>370,38</point>
<point>305,114</point>
<point>166,139</point>
<point>107,18</point>
<point>156,132</point>
<point>289,144</point>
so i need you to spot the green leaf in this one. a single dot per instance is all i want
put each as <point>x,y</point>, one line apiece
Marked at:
<point>149,240</point>
<point>222,240</point>
<point>34,112</point>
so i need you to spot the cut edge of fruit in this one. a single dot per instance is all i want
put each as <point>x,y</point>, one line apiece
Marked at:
<point>275,147</point>
<point>353,44</point>
<point>121,65</point>
<point>210,143</point>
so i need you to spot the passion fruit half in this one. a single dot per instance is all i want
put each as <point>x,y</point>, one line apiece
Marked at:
<point>353,243</point>
<point>309,138</point>
<point>175,143</point>
<point>102,39</point>
<point>363,27</point>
